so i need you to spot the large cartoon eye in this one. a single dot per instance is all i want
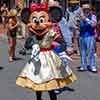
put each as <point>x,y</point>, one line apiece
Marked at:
<point>34,19</point>
<point>42,20</point>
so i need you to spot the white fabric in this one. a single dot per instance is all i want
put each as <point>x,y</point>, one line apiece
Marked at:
<point>48,68</point>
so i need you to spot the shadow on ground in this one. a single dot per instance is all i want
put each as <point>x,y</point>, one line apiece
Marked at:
<point>1,68</point>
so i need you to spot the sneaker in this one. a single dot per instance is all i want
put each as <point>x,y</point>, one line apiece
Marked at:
<point>78,53</point>
<point>81,69</point>
<point>22,52</point>
<point>58,91</point>
<point>14,58</point>
<point>95,55</point>
<point>10,59</point>
<point>94,70</point>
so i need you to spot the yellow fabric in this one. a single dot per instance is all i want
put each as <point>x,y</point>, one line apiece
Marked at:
<point>13,12</point>
<point>74,1</point>
<point>51,85</point>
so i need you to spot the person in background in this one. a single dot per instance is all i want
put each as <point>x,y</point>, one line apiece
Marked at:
<point>93,11</point>
<point>63,40</point>
<point>67,35</point>
<point>60,19</point>
<point>12,28</point>
<point>4,13</point>
<point>72,15</point>
<point>87,40</point>
<point>98,24</point>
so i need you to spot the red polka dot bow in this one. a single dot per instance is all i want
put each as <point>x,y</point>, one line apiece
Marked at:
<point>34,6</point>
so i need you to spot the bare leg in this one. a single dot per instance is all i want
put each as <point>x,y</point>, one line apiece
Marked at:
<point>10,49</point>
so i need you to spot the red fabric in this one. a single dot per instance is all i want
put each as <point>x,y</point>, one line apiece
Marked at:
<point>54,43</point>
<point>45,49</point>
<point>11,42</point>
<point>95,33</point>
<point>56,26</point>
<point>34,6</point>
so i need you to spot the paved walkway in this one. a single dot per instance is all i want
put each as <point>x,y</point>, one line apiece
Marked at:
<point>87,86</point>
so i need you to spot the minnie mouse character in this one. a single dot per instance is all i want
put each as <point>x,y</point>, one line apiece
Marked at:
<point>44,71</point>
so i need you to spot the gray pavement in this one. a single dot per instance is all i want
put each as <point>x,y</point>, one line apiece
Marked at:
<point>87,86</point>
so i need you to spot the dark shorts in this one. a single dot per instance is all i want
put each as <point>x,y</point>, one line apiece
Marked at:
<point>11,34</point>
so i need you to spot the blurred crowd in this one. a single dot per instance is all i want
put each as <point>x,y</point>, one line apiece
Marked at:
<point>77,29</point>
<point>3,13</point>
<point>79,25</point>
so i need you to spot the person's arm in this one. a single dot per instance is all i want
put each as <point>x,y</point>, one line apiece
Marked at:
<point>2,9</point>
<point>11,27</point>
<point>15,26</point>
<point>93,21</point>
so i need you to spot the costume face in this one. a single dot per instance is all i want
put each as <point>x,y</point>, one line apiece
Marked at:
<point>39,22</point>
<point>37,18</point>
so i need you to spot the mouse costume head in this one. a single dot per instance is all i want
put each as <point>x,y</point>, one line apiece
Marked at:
<point>37,18</point>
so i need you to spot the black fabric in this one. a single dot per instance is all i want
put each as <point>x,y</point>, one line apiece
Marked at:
<point>55,13</point>
<point>12,33</point>
<point>29,42</point>
<point>51,94</point>
<point>38,95</point>
<point>25,15</point>
<point>62,42</point>
<point>0,19</point>
<point>98,32</point>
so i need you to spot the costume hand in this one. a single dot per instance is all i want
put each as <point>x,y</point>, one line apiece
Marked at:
<point>35,51</point>
<point>36,59</point>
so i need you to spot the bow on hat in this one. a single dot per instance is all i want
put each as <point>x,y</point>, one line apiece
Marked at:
<point>34,6</point>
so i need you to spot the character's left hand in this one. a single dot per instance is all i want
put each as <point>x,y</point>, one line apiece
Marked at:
<point>35,51</point>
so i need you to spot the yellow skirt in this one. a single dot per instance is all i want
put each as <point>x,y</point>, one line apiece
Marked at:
<point>50,85</point>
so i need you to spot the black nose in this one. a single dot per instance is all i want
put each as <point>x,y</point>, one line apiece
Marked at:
<point>37,22</point>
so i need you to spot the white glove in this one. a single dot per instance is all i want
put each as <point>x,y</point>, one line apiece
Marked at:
<point>35,52</point>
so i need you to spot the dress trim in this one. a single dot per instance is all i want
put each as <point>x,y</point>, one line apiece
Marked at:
<point>50,85</point>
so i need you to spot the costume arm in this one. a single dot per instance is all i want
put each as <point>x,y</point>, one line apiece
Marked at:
<point>35,52</point>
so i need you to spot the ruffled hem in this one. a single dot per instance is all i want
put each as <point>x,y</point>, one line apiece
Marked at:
<point>51,85</point>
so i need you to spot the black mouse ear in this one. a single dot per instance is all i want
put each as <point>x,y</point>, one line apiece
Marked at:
<point>25,15</point>
<point>55,13</point>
